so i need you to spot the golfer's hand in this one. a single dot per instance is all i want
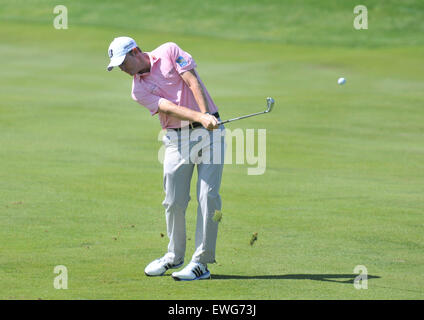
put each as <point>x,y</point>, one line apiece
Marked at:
<point>209,121</point>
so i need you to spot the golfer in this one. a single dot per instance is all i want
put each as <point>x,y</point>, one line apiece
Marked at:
<point>166,82</point>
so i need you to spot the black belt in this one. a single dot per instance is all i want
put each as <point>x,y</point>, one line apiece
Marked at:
<point>195,124</point>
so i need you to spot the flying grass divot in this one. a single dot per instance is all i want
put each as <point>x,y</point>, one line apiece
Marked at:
<point>254,238</point>
<point>217,217</point>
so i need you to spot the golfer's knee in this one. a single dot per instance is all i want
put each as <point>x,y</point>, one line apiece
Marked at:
<point>177,205</point>
<point>210,201</point>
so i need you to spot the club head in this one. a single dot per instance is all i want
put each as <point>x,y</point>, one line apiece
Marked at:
<point>270,104</point>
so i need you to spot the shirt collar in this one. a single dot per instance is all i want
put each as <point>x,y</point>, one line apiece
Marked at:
<point>153,59</point>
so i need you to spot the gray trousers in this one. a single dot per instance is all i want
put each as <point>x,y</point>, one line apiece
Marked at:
<point>183,151</point>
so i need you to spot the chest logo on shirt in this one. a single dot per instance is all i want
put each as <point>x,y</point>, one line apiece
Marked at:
<point>181,61</point>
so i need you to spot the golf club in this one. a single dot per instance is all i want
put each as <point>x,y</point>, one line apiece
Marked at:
<point>269,102</point>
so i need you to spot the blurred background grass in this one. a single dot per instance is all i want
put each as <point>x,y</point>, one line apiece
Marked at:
<point>301,22</point>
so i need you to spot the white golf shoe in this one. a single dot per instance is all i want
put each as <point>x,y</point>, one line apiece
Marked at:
<point>193,271</point>
<point>159,266</point>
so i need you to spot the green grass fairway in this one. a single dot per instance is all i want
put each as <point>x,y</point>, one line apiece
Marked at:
<point>81,185</point>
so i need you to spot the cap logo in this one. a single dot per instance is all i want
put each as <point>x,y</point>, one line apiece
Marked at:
<point>128,47</point>
<point>110,53</point>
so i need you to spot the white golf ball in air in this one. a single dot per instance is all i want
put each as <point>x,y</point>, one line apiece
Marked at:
<point>341,81</point>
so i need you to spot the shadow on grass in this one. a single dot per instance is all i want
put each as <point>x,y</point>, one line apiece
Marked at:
<point>340,278</point>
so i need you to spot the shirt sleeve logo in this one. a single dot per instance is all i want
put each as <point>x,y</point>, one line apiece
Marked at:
<point>181,61</point>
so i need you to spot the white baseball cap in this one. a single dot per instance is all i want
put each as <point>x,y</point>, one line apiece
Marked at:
<point>118,49</point>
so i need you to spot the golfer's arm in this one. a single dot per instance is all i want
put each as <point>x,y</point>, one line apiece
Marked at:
<point>180,112</point>
<point>190,78</point>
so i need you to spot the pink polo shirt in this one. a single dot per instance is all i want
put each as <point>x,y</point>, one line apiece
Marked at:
<point>164,82</point>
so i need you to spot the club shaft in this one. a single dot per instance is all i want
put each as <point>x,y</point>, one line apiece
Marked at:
<point>242,117</point>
